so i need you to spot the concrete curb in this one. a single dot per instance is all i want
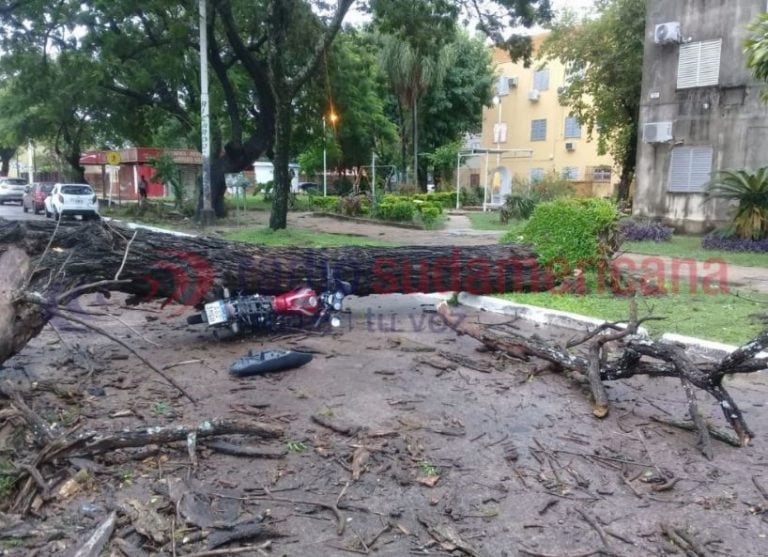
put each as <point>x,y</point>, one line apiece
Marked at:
<point>573,321</point>
<point>535,314</point>
<point>137,226</point>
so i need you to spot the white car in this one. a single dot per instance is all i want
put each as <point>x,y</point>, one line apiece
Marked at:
<point>68,200</point>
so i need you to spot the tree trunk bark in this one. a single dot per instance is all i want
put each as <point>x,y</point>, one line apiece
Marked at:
<point>629,164</point>
<point>191,270</point>
<point>6,154</point>
<point>282,178</point>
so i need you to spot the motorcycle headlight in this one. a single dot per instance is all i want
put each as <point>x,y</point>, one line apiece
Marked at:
<point>337,305</point>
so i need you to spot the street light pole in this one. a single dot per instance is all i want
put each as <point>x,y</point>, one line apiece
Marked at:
<point>458,167</point>
<point>373,175</point>
<point>325,160</point>
<point>204,115</point>
<point>497,103</point>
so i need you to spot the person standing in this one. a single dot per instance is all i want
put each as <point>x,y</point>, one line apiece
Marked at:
<point>143,186</point>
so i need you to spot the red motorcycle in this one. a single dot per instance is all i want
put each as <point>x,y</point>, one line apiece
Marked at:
<point>243,313</point>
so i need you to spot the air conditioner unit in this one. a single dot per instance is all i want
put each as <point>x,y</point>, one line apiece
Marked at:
<point>657,132</point>
<point>570,146</point>
<point>512,82</point>
<point>533,95</point>
<point>666,33</point>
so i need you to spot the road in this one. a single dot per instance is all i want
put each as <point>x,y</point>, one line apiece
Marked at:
<point>14,212</point>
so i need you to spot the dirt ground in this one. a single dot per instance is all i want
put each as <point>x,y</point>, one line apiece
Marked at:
<point>449,460</point>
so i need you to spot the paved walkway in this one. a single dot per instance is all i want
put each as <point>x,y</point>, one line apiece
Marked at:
<point>458,230</point>
<point>710,276</point>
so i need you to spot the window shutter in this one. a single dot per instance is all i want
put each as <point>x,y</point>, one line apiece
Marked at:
<point>689,169</point>
<point>699,64</point>
<point>500,133</point>
<point>709,63</point>
<point>571,173</point>
<point>502,86</point>
<point>538,130</point>
<point>541,80</point>
<point>572,127</point>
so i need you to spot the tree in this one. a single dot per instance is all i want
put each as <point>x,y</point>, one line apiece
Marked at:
<point>756,49</point>
<point>454,108</point>
<point>605,59</point>
<point>189,270</point>
<point>262,54</point>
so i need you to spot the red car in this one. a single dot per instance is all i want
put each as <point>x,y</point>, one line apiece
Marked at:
<point>34,196</point>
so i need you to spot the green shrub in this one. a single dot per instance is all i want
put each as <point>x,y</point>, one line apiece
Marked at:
<point>329,203</point>
<point>430,214</point>
<point>517,206</point>
<point>750,190</point>
<point>552,186</point>
<point>571,233</point>
<point>400,211</point>
<point>444,199</point>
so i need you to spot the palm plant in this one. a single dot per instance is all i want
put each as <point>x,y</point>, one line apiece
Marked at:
<point>750,189</point>
<point>411,73</point>
<point>168,172</point>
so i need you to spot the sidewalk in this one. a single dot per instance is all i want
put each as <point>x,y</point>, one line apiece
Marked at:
<point>704,273</point>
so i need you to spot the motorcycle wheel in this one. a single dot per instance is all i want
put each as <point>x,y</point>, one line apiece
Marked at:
<point>195,319</point>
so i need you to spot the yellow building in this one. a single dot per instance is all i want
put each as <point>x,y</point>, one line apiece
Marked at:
<point>537,134</point>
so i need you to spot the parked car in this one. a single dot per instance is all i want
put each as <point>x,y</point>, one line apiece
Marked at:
<point>12,189</point>
<point>34,196</point>
<point>68,200</point>
<point>306,186</point>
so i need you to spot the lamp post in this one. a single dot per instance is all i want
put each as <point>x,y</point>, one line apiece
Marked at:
<point>333,117</point>
<point>497,138</point>
<point>373,172</point>
<point>325,161</point>
<point>205,122</point>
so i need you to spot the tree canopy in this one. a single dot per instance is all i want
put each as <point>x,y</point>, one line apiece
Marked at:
<point>604,57</point>
<point>97,73</point>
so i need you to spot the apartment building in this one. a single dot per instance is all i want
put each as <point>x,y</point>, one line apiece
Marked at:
<point>537,134</point>
<point>701,109</point>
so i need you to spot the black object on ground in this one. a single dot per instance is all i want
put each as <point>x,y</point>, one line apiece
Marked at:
<point>256,363</point>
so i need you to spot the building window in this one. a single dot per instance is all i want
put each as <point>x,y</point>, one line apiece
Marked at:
<point>538,130</point>
<point>571,173</point>
<point>541,79</point>
<point>689,169</point>
<point>500,133</point>
<point>601,174</point>
<point>502,86</point>
<point>572,128</point>
<point>699,64</point>
<point>536,174</point>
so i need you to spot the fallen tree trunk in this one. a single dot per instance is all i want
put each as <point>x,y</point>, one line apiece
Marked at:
<point>59,262</point>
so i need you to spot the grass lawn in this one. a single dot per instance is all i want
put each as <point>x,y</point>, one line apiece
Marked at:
<point>488,220</point>
<point>722,317</point>
<point>690,247</point>
<point>301,237</point>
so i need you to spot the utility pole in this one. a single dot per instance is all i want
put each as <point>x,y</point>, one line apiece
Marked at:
<point>325,160</point>
<point>373,175</point>
<point>30,162</point>
<point>207,214</point>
